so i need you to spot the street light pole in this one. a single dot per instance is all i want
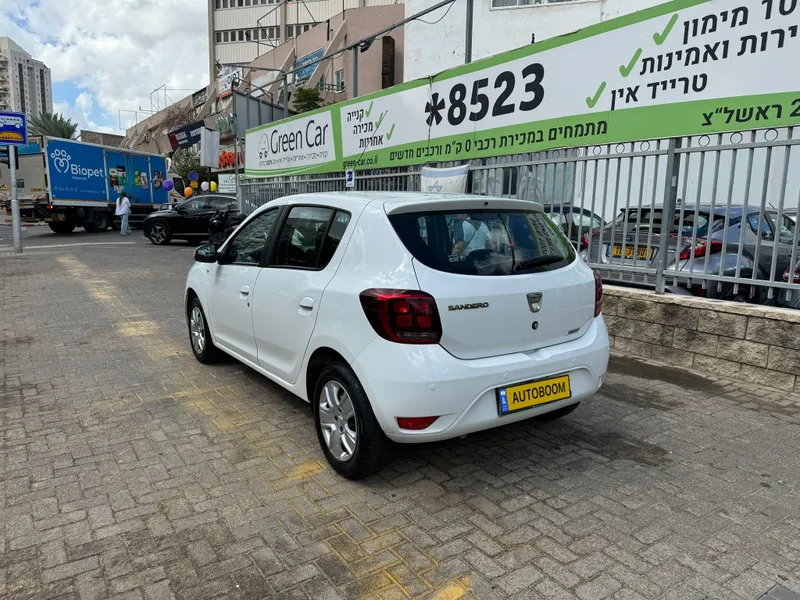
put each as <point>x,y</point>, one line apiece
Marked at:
<point>468,47</point>
<point>15,217</point>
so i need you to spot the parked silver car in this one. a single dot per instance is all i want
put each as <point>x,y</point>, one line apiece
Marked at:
<point>726,241</point>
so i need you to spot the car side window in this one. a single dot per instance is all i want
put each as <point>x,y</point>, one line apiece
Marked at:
<point>222,203</point>
<point>300,243</point>
<point>787,230</point>
<point>555,217</point>
<point>196,204</point>
<point>248,245</point>
<point>585,221</point>
<point>766,228</point>
<point>339,225</point>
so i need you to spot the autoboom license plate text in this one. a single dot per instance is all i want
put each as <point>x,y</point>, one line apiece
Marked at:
<point>533,393</point>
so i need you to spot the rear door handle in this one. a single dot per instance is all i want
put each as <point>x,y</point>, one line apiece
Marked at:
<point>245,291</point>
<point>307,303</point>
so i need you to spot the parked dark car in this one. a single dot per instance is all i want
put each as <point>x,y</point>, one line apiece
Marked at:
<point>634,237</point>
<point>187,221</point>
<point>577,223</point>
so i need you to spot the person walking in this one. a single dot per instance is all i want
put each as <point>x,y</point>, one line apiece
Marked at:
<point>123,211</point>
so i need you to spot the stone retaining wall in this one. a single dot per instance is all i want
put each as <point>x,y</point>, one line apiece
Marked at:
<point>757,344</point>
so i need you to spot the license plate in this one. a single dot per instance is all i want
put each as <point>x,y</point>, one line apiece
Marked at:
<point>534,393</point>
<point>642,253</point>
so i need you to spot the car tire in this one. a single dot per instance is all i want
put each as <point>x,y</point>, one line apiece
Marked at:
<point>557,414</point>
<point>359,448</point>
<point>203,348</point>
<point>159,233</point>
<point>62,228</point>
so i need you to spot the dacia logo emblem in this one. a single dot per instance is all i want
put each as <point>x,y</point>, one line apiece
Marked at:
<point>535,301</point>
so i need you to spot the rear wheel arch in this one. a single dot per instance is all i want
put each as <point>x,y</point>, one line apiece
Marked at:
<point>320,358</point>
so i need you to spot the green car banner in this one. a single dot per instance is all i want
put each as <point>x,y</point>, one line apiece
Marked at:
<point>687,67</point>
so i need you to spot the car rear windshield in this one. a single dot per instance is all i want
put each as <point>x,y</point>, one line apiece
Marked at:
<point>485,242</point>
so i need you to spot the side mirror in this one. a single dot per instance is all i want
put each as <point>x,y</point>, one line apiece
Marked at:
<point>207,253</point>
<point>181,210</point>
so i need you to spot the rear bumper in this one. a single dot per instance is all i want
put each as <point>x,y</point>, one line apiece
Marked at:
<point>423,381</point>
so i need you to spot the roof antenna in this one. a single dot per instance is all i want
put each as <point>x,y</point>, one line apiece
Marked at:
<point>533,38</point>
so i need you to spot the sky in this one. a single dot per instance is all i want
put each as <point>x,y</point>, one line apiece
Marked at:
<point>108,55</point>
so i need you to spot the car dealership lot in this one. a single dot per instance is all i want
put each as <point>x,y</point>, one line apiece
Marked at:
<point>128,469</point>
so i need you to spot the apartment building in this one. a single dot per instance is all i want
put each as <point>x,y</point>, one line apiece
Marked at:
<point>25,83</point>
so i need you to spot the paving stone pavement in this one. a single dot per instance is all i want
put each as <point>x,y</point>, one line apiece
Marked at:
<point>128,470</point>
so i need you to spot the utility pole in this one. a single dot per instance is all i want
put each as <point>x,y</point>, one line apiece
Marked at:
<point>15,218</point>
<point>468,36</point>
<point>356,50</point>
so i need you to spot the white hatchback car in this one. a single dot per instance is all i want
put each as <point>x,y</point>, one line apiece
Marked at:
<point>407,317</point>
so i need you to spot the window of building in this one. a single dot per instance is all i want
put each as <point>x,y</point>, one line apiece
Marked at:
<point>241,34</point>
<point>255,35</point>
<point>306,27</point>
<point>21,88</point>
<point>219,37</point>
<point>289,32</point>
<point>512,3</point>
<point>321,84</point>
<point>42,90</point>
<point>247,2</point>
<point>224,36</point>
<point>224,3</point>
<point>241,3</point>
<point>218,4</point>
<point>338,80</point>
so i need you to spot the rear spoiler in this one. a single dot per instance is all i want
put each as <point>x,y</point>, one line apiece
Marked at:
<point>457,203</point>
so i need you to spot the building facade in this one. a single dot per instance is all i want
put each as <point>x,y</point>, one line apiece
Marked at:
<point>25,83</point>
<point>100,137</point>
<point>379,66</point>
<point>242,30</point>
<point>498,26</point>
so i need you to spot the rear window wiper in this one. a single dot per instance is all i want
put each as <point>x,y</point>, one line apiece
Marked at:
<point>539,261</point>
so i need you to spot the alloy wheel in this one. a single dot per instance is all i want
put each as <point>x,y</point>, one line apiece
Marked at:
<point>197,327</point>
<point>158,234</point>
<point>338,421</point>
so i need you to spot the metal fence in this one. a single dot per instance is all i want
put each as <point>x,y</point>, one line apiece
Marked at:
<point>711,215</point>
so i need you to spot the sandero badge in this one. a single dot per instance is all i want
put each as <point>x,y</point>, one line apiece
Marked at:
<point>468,306</point>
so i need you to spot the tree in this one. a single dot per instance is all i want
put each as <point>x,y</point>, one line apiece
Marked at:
<point>306,99</point>
<point>52,125</point>
<point>184,162</point>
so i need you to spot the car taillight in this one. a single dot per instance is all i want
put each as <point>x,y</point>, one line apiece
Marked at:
<point>584,242</point>
<point>598,295</point>
<point>403,316</point>
<point>702,247</point>
<point>795,276</point>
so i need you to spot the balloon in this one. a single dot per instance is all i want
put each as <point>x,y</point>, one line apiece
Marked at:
<point>187,192</point>
<point>167,185</point>
<point>213,186</point>
<point>204,186</point>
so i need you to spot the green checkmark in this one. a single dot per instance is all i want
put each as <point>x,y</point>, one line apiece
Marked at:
<point>390,132</point>
<point>660,38</point>
<point>626,70</point>
<point>380,120</point>
<point>591,101</point>
<point>369,110</point>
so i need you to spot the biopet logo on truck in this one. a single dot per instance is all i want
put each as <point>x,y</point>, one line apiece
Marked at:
<point>76,170</point>
<point>62,163</point>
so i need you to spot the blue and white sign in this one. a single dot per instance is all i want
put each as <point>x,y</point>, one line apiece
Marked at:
<point>76,171</point>
<point>307,71</point>
<point>349,178</point>
<point>32,147</point>
<point>13,129</point>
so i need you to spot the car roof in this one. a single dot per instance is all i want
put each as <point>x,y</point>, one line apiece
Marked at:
<point>397,202</point>
<point>734,211</point>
